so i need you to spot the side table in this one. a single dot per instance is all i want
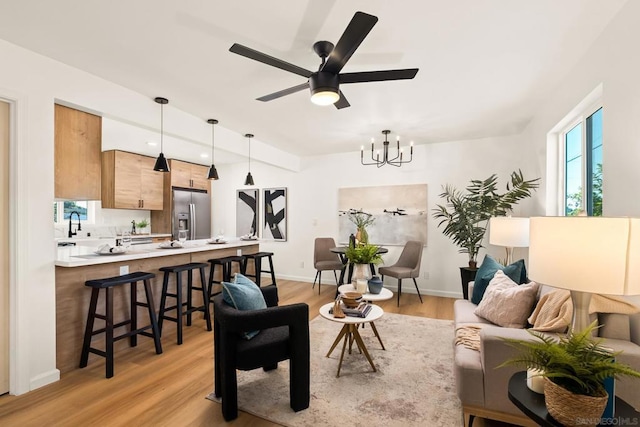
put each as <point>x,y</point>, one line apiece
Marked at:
<point>533,406</point>
<point>384,295</point>
<point>350,331</point>
<point>467,274</point>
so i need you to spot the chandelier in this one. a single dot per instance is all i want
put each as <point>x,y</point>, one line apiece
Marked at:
<point>385,160</point>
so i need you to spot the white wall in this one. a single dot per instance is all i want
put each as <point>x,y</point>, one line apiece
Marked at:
<point>611,62</point>
<point>313,202</point>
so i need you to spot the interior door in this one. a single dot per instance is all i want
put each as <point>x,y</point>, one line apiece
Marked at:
<point>4,247</point>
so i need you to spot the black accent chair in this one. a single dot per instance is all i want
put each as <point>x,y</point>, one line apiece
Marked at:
<point>284,334</point>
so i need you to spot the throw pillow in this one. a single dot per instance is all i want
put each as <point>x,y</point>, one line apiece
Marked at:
<point>243,294</point>
<point>507,304</point>
<point>516,271</point>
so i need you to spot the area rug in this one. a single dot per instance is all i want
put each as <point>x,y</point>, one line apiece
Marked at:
<point>414,384</point>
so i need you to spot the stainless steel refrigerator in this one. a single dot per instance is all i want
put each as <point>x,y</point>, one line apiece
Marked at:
<point>192,212</point>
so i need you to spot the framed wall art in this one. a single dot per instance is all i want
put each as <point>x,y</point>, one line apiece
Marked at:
<point>247,212</point>
<point>400,212</point>
<point>274,213</point>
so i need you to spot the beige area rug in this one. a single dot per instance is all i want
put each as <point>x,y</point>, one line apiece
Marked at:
<point>414,384</point>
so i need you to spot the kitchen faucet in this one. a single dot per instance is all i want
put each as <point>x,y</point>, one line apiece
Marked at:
<point>73,233</point>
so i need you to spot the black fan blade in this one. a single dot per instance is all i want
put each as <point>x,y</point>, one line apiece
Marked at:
<point>283,92</point>
<point>269,60</point>
<point>378,76</point>
<point>342,102</point>
<point>356,31</point>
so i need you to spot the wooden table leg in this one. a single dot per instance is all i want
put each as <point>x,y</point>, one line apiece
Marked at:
<point>343,331</point>
<point>375,331</point>
<point>344,346</point>
<point>360,343</point>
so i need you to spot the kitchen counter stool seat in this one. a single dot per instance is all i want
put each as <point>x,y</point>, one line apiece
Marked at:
<point>227,268</point>
<point>108,284</point>
<point>257,262</point>
<point>179,306</point>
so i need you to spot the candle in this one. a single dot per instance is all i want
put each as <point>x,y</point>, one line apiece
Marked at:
<point>535,381</point>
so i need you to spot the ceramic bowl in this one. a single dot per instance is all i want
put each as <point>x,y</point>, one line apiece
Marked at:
<point>351,299</point>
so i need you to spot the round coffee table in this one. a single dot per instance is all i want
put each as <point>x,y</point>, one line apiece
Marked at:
<point>350,332</point>
<point>384,295</point>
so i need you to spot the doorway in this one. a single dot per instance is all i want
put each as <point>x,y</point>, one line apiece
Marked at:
<point>4,247</point>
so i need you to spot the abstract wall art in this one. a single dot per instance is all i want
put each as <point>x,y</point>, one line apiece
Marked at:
<point>274,214</point>
<point>400,212</point>
<point>247,212</point>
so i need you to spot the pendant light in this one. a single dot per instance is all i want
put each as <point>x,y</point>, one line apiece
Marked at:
<point>249,179</point>
<point>213,173</point>
<point>161,161</point>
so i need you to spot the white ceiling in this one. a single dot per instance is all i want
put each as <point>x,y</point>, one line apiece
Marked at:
<point>485,65</point>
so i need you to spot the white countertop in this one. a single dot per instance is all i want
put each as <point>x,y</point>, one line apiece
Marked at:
<point>78,256</point>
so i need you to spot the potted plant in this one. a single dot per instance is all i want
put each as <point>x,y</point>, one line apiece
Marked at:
<point>142,226</point>
<point>574,367</point>
<point>361,220</point>
<point>361,255</point>
<point>466,214</point>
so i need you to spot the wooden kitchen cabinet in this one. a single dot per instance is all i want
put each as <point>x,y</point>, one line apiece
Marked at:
<point>189,175</point>
<point>129,181</point>
<point>78,144</point>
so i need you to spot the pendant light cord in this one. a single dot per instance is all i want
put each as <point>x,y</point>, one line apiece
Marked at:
<point>162,128</point>
<point>249,154</point>
<point>212,141</point>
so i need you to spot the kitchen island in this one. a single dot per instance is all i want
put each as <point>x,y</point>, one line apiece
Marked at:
<point>77,264</point>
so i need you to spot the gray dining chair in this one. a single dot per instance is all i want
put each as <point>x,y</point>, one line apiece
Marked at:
<point>324,259</point>
<point>407,266</point>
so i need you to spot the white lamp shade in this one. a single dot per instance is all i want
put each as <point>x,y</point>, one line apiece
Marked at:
<point>588,254</point>
<point>509,231</point>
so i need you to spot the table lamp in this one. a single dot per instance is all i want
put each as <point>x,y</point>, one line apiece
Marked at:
<point>510,232</point>
<point>586,255</point>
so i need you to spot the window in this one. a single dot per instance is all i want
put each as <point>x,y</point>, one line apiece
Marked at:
<point>62,211</point>
<point>581,144</point>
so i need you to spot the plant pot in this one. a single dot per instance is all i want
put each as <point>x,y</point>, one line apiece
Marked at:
<point>572,409</point>
<point>360,272</point>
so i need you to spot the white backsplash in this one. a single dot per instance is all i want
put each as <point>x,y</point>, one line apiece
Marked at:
<point>108,222</point>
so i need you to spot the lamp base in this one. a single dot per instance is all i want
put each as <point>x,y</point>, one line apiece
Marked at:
<point>580,318</point>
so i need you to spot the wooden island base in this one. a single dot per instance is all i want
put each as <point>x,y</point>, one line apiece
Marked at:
<point>72,300</point>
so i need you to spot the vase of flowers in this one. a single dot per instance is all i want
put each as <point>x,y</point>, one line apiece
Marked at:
<point>361,220</point>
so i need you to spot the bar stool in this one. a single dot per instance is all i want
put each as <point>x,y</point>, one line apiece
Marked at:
<point>257,262</point>
<point>227,268</point>
<point>108,284</point>
<point>178,307</point>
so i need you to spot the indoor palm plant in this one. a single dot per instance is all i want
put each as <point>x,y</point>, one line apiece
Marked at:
<point>574,367</point>
<point>466,213</point>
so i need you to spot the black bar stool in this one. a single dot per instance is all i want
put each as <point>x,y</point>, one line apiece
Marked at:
<point>257,262</point>
<point>227,268</point>
<point>109,284</point>
<point>178,307</point>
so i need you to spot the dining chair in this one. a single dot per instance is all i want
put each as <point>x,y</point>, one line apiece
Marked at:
<point>324,259</point>
<point>407,266</point>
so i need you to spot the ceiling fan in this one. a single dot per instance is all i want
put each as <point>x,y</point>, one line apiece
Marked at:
<point>325,83</point>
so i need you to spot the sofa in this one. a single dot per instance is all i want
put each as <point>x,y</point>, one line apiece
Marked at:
<point>482,388</point>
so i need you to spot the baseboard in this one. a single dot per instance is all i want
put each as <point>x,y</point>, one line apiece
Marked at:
<point>405,289</point>
<point>44,379</point>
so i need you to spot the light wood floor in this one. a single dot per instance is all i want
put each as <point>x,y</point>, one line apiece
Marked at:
<point>167,389</point>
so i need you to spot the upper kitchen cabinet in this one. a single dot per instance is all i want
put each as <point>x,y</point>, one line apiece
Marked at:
<point>78,143</point>
<point>189,175</point>
<point>129,181</point>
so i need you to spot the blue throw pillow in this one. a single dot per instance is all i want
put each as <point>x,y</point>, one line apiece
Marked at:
<point>516,272</point>
<point>243,294</point>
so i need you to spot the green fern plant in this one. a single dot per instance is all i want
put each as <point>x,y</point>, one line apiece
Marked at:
<point>576,361</point>
<point>363,253</point>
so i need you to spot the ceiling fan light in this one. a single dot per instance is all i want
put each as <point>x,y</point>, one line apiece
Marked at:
<point>249,179</point>
<point>325,97</point>
<point>213,173</point>
<point>161,164</point>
